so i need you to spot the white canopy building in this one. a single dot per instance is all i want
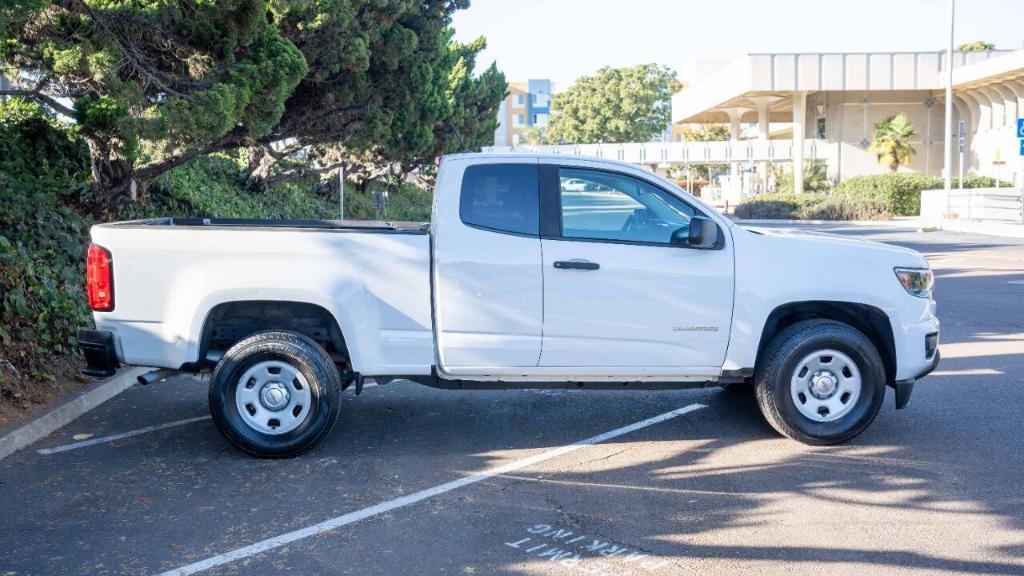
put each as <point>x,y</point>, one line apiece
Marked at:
<point>829,103</point>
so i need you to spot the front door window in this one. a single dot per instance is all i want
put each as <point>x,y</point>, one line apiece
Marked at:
<point>599,205</point>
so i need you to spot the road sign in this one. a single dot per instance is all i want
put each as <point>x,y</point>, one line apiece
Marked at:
<point>1022,147</point>
<point>1020,127</point>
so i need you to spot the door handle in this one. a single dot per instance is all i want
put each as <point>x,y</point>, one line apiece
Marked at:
<point>576,265</point>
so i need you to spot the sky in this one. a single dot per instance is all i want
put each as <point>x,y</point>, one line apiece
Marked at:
<point>565,39</point>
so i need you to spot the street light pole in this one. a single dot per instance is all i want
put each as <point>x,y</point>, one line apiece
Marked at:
<point>341,192</point>
<point>948,145</point>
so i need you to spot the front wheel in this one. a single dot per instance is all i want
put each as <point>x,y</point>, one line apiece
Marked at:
<point>820,382</point>
<point>275,394</point>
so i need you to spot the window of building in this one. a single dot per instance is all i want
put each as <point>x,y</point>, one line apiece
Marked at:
<point>541,100</point>
<point>518,120</point>
<point>599,205</point>
<point>501,197</point>
<point>540,119</point>
<point>819,129</point>
<point>520,100</point>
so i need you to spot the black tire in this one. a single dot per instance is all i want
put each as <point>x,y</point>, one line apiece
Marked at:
<point>310,360</point>
<point>779,362</point>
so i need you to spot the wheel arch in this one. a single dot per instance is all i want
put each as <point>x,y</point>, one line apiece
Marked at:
<point>227,323</point>
<point>869,320</point>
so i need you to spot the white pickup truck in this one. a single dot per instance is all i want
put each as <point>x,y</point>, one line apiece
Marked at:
<point>536,271</point>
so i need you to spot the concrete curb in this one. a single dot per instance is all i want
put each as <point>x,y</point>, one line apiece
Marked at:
<point>65,410</point>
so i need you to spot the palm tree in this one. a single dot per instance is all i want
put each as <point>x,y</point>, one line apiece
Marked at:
<point>891,143</point>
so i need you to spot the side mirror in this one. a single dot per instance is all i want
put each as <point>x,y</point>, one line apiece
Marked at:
<point>702,234</point>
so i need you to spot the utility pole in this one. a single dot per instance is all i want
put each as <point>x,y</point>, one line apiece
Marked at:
<point>948,144</point>
<point>341,192</point>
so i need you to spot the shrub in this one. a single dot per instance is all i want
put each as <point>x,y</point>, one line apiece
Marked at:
<point>410,203</point>
<point>846,208</point>
<point>407,202</point>
<point>975,181</point>
<point>901,193</point>
<point>813,207</point>
<point>217,186</point>
<point>875,197</point>
<point>776,206</point>
<point>43,191</point>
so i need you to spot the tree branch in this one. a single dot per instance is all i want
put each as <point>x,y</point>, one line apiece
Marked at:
<point>136,58</point>
<point>151,170</point>
<point>301,171</point>
<point>38,95</point>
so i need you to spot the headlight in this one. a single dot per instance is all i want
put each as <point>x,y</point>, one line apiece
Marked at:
<point>917,281</point>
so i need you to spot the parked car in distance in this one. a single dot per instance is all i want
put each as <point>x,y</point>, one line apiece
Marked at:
<point>574,185</point>
<point>535,271</point>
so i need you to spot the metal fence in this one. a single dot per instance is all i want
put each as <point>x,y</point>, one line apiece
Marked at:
<point>722,152</point>
<point>993,204</point>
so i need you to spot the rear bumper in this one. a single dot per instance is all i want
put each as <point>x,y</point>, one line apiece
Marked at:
<point>100,354</point>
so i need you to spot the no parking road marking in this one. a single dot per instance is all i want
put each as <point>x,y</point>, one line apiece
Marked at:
<point>389,505</point>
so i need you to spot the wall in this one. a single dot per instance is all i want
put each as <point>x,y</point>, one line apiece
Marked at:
<point>987,145</point>
<point>849,124</point>
<point>501,133</point>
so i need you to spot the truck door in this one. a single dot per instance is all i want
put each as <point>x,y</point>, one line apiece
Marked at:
<point>488,284</point>
<point>620,295</point>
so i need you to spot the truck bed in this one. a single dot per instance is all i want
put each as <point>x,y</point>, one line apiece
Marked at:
<point>170,275</point>
<point>252,223</point>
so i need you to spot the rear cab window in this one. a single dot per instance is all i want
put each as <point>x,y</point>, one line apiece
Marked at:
<point>502,198</point>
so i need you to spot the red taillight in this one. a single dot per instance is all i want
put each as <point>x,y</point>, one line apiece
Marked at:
<point>99,279</point>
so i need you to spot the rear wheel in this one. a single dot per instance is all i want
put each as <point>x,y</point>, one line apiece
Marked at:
<point>820,382</point>
<point>275,394</point>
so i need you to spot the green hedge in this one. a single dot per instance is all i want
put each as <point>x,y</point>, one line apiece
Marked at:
<point>901,193</point>
<point>812,207</point>
<point>405,203</point>
<point>217,187</point>
<point>778,206</point>
<point>876,197</point>
<point>846,208</point>
<point>43,182</point>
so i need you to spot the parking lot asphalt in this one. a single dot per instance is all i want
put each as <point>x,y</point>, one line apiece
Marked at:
<point>421,481</point>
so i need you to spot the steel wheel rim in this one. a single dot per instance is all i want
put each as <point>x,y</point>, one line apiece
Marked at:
<point>825,385</point>
<point>273,397</point>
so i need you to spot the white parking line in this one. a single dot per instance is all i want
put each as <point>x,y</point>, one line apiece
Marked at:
<point>389,505</point>
<point>111,438</point>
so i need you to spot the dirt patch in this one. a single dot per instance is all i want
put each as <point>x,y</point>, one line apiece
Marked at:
<point>21,397</point>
